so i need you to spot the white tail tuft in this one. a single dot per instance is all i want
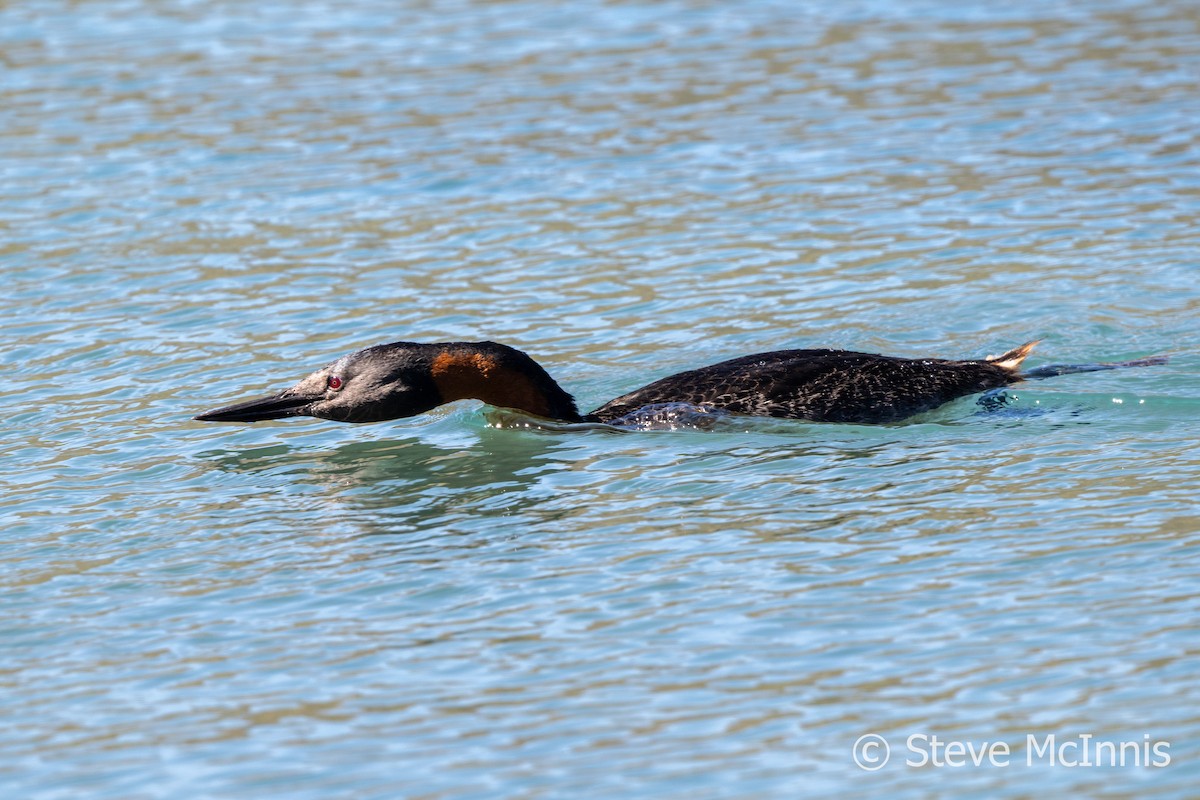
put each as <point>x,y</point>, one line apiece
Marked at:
<point>1013,358</point>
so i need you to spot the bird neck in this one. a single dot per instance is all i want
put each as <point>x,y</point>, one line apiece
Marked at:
<point>500,376</point>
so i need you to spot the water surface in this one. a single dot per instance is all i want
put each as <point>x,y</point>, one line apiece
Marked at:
<point>204,201</point>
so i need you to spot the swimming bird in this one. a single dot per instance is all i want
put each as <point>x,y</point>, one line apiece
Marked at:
<point>402,379</point>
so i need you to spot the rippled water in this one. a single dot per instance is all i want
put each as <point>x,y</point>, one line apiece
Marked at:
<point>204,201</point>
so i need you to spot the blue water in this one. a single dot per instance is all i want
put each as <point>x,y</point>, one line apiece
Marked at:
<point>204,202</point>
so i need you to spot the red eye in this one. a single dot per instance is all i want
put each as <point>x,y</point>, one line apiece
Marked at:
<point>334,382</point>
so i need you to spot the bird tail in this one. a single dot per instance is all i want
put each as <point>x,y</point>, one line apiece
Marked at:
<point>1012,359</point>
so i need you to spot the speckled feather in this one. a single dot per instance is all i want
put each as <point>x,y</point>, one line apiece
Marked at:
<point>822,385</point>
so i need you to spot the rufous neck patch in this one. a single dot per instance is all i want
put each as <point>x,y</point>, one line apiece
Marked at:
<point>460,375</point>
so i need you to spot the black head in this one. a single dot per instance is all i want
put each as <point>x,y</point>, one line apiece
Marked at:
<point>402,379</point>
<point>387,381</point>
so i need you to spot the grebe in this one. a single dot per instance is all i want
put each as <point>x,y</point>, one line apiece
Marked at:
<point>402,379</point>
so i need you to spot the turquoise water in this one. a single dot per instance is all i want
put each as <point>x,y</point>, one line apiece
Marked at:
<point>204,201</point>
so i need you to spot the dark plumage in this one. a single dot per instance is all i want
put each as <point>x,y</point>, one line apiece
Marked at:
<point>402,379</point>
<point>823,385</point>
